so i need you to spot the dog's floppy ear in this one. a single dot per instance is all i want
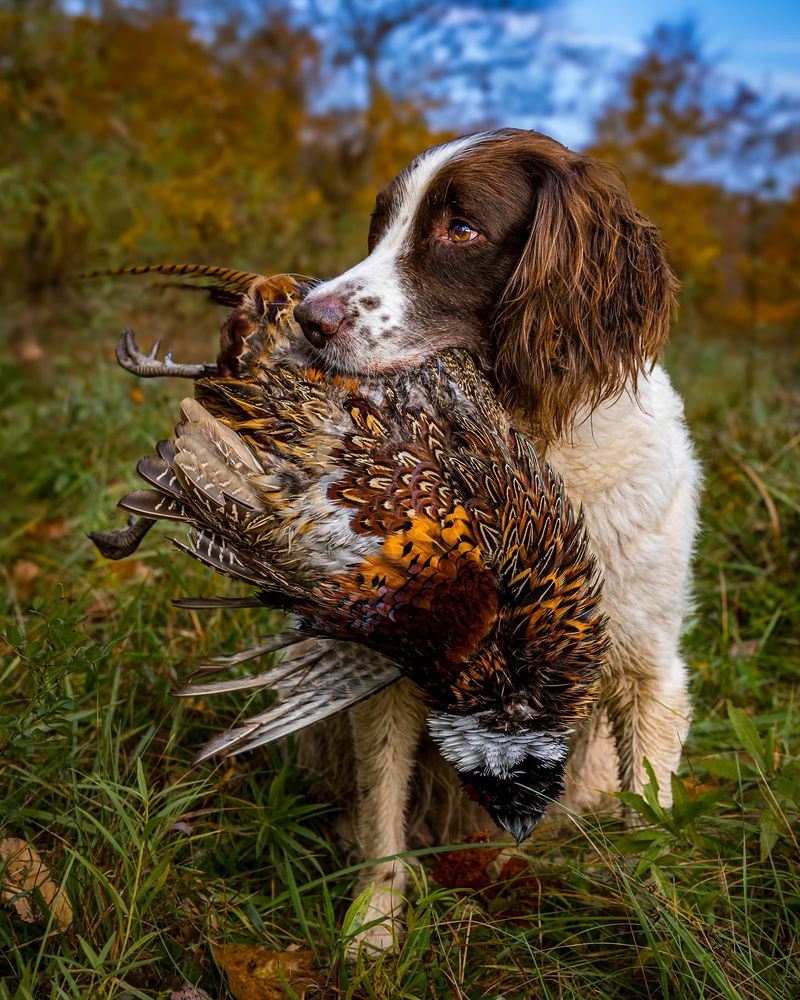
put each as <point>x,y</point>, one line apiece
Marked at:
<point>589,305</point>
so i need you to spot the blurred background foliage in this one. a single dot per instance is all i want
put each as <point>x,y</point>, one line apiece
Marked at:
<point>256,135</point>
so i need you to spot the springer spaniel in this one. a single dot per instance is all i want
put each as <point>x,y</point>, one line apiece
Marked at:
<point>533,258</point>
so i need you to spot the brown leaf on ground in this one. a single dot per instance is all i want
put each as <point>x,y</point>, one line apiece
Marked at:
<point>519,884</point>
<point>189,992</point>
<point>466,869</point>
<point>29,352</point>
<point>493,874</point>
<point>130,570</point>
<point>255,973</point>
<point>50,530</point>
<point>23,573</point>
<point>24,872</point>
<point>100,607</point>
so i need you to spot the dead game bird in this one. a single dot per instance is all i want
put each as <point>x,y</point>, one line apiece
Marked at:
<point>404,513</point>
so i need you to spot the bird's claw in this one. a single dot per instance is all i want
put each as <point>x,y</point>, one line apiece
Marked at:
<point>121,542</point>
<point>134,360</point>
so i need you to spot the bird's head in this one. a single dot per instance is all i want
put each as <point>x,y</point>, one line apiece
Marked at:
<point>513,775</point>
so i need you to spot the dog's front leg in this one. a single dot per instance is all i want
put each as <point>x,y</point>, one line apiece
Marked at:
<point>649,714</point>
<point>386,732</point>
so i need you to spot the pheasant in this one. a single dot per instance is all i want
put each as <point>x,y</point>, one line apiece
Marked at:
<point>404,513</point>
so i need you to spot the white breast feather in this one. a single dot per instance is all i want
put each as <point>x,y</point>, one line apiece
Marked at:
<point>468,746</point>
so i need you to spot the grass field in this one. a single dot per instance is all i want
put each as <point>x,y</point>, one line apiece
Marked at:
<point>162,864</point>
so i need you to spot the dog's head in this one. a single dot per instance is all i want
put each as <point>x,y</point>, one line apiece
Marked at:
<point>528,255</point>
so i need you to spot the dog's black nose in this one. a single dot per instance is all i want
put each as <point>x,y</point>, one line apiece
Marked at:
<point>320,318</point>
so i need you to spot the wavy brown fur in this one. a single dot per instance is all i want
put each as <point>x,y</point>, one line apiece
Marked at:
<point>589,304</point>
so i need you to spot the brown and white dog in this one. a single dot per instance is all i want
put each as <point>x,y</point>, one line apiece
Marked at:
<point>533,258</point>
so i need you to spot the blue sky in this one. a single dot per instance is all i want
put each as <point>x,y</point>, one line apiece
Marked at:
<point>758,41</point>
<point>755,42</point>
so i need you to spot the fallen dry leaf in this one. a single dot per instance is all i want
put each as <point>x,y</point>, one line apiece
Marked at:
<point>24,872</point>
<point>255,973</point>
<point>134,570</point>
<point>189,992</point>
<point>23,573</point>
<point>466,869</point>
<point>697,788</point>
<point>100,607</point>
<point>489,872</point>
<point>52,530</point>
<point>29,352</point>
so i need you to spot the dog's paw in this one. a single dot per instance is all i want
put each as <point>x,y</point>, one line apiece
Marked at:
<point>633,820</point>
<point>380,923</point>
<point>374,940</point>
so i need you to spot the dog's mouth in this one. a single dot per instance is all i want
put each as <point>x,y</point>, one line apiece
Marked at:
<point>341,356</point>
<point>337,357</point>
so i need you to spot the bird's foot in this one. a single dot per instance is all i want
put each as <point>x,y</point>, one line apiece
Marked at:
<point>133,360</point>
<point>121,542</point>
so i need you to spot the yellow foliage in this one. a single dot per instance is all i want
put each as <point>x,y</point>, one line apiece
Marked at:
<point>130,137</point>
<point>127,135</point>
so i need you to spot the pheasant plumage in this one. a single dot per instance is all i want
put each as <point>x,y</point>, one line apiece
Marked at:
<point>403,513</point>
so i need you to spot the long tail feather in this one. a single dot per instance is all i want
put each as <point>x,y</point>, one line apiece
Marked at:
<point>270,678</point>
<point>208,603</point>
<point>213,551</point>
<point>224,285</point>
<point>159,473</point>
<point>154,505</point>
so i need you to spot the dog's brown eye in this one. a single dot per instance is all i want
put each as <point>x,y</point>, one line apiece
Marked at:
<point>461,232</point>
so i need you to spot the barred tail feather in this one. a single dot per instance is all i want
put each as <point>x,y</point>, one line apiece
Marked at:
<point>209,603</point>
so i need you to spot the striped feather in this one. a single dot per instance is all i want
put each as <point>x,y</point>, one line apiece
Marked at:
<point>313,687</point>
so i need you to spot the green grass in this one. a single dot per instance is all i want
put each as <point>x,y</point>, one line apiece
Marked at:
<point>161,860</point>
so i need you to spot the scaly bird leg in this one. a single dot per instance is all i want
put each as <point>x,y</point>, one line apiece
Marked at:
<point>121,542</point>
<point>150,365</point>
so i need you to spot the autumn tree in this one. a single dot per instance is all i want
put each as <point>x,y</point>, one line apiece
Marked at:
<point>702,155</point>
<point>127,135</point>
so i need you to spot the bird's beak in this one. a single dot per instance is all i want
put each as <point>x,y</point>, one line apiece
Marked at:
<point>520,827</point>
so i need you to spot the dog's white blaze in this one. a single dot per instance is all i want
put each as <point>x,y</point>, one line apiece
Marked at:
<point>415,186</point>
<point>379,273</point>
<point>468,746</point>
